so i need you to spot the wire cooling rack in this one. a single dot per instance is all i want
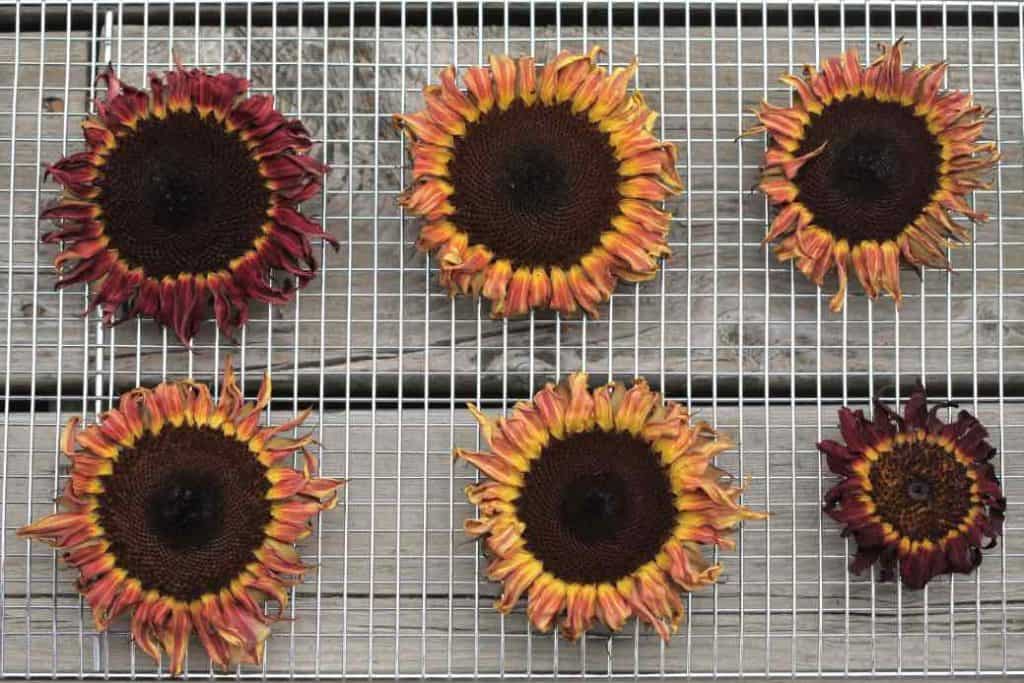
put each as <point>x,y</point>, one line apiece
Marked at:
<point>388,361</point>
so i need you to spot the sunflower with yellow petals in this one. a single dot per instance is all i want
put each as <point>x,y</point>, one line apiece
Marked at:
<point>914,491</point>
<point>540,190</point>
<point>182,512</point>
<point>866,166</point>
<point>596,505</point>
<point>185,194</point>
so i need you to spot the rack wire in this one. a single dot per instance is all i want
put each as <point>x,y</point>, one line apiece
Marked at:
<point>389,361</point>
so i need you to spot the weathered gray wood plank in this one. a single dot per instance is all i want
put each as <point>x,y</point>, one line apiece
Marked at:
<point>379,304</point>
<point>394,552</point>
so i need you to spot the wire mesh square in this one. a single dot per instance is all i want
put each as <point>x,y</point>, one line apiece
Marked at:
<point>388,360</point>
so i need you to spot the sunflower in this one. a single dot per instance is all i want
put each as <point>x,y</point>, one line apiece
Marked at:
<point>866,167</point>
<point>915,489</point>
<point>183,513</point>
<point>186,193</point>
<point>596,504</point>
<point>540,190</point>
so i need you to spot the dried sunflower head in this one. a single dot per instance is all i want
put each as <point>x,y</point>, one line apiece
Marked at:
<point>183,513</point>
<point>540,190</point>
<point>915,490</point>
<point>596,504</point>
<point>866,166</point>
<point>186,193</point>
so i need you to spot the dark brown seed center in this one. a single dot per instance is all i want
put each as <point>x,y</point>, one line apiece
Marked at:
<point>921,489</point>
<point>182,195</point>
<point>184,510</point>
<point>877,172</point>
<point>537,185</point>
<point>596,506</point>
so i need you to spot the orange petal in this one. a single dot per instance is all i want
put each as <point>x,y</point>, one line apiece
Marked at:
<point>641,264</point>
<point>518,299</point>
<point>562,299</point>
<point>810,101</point>
<point>612,607</point>
<point>526,80</point>
<point>294,511</point>
<point>604,405</point>
<point>443,116</point>
<point>494,467</point>
<point>517,574</point>
<point>613,92</point>
<point>778,188</point>
<point>435,234</point>
<point>645,214</point>
<point>454,97</point>
<point>504,72</point>
<point>496,280</point>
<point>143,626</point>
<point>175,638</point>
<point>841,254</point>
<point>891,270</point>
<point>430,160</point>
<point>218,649</point>
<point>579,412</point>
<point>198,403</point>
<point>628,590</point>
<point>172,404</point>
<point>58,528</point>
<point>867,263</point>
<point>540,288</point>
<point>789,164</point>
<point>687,567</point>
<point>646,187</point>
<point>581,608</point>
<point>94,441</point>
<point>546,600</point>
<point>280,558</point>
<point>420,126</point>
<point>552,405</point>
<point>584,291</point>
<point>429,198</point>
<point>478,80</point>
<point>570,79</point>
<point>598,267</point>
<point>635,407</point>
<point>490,490</point>
<point>101,595</point>
<point>587,92</point>
<point>548,82</point>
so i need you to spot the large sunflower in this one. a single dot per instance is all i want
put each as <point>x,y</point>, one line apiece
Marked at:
<point>915,490</point>
<point>183,512</point>
<point>866,166</point>
<point>596,504</point>
<point>540,191</point>
<point>186,193</point>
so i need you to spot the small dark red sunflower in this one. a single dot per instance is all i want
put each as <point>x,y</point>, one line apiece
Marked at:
<point>186,193</point>
<point>866,166</point>
<point>183,513</point>
<point>915,490</point>
<point>540,190</point>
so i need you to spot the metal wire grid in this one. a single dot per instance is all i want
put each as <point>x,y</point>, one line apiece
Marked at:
<point>389,361</point>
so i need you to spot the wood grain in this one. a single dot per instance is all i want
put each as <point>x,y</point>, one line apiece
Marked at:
<point>377,317</point>
<point>394,554</point>
<point>399,591</point>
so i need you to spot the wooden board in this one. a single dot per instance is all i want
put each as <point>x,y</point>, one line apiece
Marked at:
<point>395,570</point>
<point>377,316</point>
<point>399,590</point>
